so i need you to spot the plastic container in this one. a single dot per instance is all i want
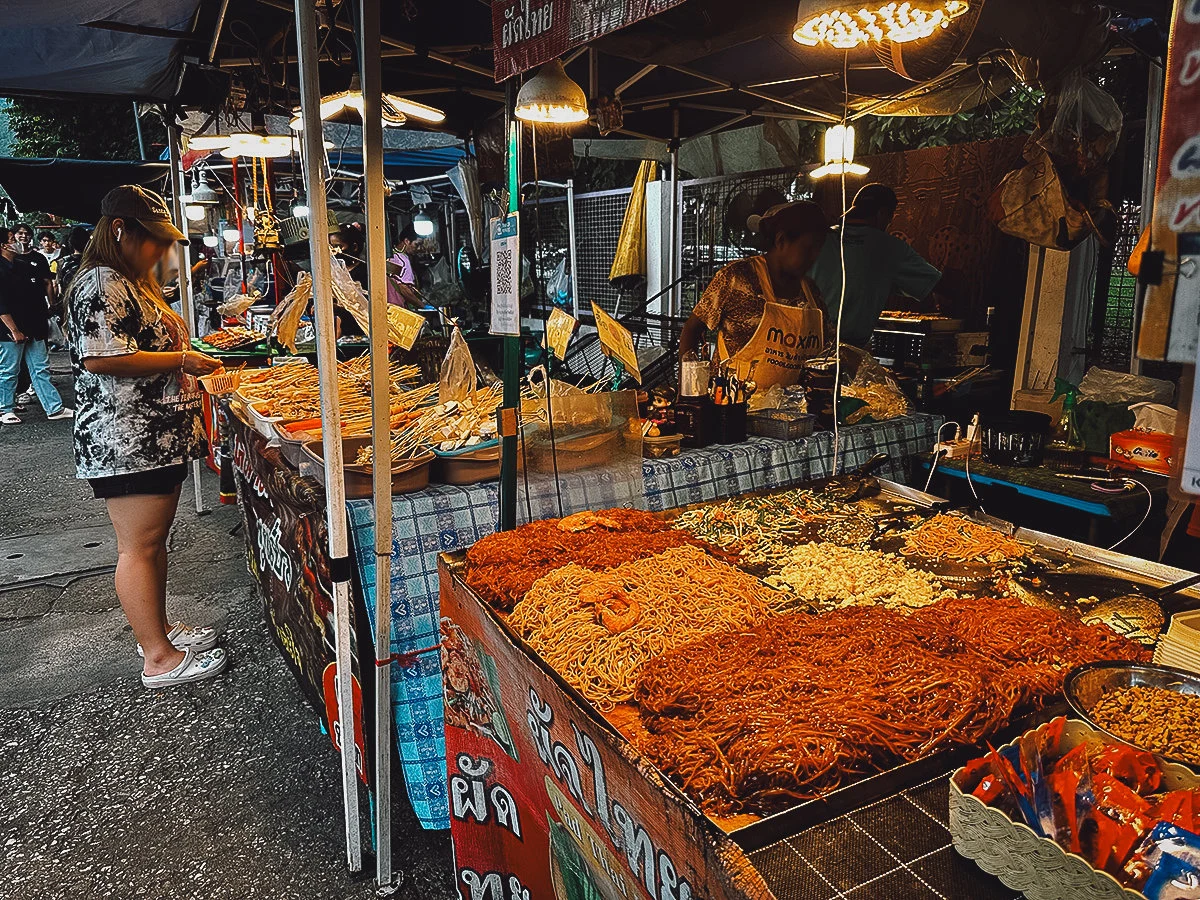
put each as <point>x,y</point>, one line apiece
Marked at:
<point>782,424</point>
<point>407,475</point>
<point>1016,438</point>
<point>663,445</point>
<point>469,466</point>
<point>573,454</point>
<point>1026,862</point>
<point>263,424</point>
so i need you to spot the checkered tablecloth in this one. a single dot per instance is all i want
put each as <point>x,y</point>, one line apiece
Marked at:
<point>443,518</point>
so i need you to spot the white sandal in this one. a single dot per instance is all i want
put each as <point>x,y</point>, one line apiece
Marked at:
<point>195,667</point>
<point>189,637</point>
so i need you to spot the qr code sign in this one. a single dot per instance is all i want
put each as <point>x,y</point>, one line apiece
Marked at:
<point>504,271</point>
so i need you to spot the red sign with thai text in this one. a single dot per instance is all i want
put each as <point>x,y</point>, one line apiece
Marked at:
<point>527,33</point>
<point>547,800</point>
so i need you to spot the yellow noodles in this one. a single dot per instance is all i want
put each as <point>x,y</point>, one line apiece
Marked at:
<point>597,629</point>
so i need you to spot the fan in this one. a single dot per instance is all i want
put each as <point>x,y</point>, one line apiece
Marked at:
<point>740,207</point>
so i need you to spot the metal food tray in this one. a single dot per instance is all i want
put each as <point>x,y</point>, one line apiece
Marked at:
<point>764,832</point>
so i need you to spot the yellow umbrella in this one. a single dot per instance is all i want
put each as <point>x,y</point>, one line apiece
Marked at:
<point>630,258</point>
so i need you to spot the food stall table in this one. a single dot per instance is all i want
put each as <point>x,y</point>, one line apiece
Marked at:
<point>444,518</point>
<point>1006,491</point>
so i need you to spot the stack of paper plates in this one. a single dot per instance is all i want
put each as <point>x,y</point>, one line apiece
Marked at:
<point>1180,646</point>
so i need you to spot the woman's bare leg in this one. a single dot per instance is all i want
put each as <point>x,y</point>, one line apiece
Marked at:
<point>142,523</point>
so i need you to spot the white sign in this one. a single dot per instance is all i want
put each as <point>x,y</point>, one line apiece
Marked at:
<point>506,276</point>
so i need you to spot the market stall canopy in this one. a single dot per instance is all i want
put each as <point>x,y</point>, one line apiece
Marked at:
<point>73,188</point>
<point>105,48</point>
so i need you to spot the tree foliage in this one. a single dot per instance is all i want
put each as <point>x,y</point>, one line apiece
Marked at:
<point>1014,114</point>
<point>80,129</point>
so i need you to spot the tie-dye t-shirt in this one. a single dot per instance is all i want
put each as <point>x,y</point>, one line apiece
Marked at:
<point>125,425</point>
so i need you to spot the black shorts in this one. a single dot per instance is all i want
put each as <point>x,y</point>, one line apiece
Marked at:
<point>153,481</point>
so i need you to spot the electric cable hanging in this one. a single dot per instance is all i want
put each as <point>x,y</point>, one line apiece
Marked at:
<point>837,340</point>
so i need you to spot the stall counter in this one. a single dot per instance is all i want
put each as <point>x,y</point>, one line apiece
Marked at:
<point>444,518</point>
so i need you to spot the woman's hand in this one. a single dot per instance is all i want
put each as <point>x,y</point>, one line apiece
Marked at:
<point>196,363</point>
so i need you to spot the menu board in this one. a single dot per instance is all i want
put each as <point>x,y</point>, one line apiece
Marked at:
<point>617,342</point>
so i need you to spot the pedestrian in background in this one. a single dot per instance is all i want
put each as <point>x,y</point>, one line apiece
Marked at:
<point>24,327</point>
<point>139,419</point>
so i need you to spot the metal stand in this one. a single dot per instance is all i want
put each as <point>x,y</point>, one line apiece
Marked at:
<point>335,487</point>
<point>187,301</point>
<point>371,78</point>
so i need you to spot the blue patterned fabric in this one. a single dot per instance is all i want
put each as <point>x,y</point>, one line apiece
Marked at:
<point>443,518</point>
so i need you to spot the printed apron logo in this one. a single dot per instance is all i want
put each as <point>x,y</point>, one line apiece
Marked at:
<point>784,339</point>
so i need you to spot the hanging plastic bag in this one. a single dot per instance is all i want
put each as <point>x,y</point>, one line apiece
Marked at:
<point>456,380</point>
<point>558,285</point>
<point>873,392</point>
<point>1087,123</point>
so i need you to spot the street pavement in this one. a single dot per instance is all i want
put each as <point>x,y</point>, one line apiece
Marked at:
<point>221,789</point>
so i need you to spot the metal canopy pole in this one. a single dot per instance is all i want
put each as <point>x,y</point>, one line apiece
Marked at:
<point>187,301</point>
<point>331,432</point>
<point>571,246</point>
<point>371,79</point>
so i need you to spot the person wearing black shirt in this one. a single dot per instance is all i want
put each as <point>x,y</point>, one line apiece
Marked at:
<point>25,281</point>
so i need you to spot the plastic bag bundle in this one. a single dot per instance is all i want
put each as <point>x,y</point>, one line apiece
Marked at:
<point>456,380</point>
<point>1083,134</point>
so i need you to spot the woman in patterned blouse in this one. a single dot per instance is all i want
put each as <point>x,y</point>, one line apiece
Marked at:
<point>138,423</point>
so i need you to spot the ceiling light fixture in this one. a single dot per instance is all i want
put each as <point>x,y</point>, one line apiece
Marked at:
<point>211,240</point>
<point>551,97</point>
<point>423,224</point>
<point>347,107</point>
<point>839,153</point>
<point>846,28</point>
<point>195,213</point>
<point>258,146</point>
<point>300,211</point>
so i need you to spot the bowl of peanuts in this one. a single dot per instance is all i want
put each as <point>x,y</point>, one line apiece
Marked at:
<point>1154,708</point>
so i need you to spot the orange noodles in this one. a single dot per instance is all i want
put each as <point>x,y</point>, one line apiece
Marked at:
<point>759,720</point>
<point>960,540</point>
<point>597,629</point>
<point>503,566</point>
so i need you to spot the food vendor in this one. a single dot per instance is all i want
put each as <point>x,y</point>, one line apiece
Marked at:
<point>765,310</point>
<point>877,265</point>
<point>347,245</point>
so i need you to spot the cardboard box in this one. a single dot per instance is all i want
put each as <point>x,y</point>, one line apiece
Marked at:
<point>1148,450</point>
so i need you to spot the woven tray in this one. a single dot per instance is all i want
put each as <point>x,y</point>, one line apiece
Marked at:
<point>1035,865</point>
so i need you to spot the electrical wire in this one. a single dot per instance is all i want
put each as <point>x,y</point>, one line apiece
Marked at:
<point>970,483</point>
<point>938,455</point>
<point>1130,482</point>
<point>837,340</point>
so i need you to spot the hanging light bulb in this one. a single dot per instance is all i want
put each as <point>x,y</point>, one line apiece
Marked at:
<point>300,211</point>
<point>211,240</point>
<point>423,224</point>
<point>551,96</point>
<point>824,22</point>
<point>195,213</point>
<point>839,153</point>
<point>231,235</point>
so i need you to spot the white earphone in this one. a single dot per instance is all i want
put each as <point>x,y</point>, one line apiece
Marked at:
<point>118,235</point>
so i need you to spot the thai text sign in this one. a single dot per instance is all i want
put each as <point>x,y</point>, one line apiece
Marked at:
<point>547,800</point>
<point>527,33</point>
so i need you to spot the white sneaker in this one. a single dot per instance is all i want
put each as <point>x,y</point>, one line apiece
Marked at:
<point>65,413</point>
<point>196,638</point>
<point>25,397</point>
<point>195,667</point>
<point>10,418</point>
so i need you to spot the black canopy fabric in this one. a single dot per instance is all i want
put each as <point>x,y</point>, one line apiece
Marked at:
<point>107,48</point>
<point>73,188</point>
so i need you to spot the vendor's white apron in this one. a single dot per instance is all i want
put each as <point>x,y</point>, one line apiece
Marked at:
<point>786,337</point>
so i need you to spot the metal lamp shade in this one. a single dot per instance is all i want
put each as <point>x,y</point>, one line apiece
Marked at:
<point>552,97</point>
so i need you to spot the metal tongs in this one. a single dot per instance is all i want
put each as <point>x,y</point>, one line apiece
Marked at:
<point>851,486</point>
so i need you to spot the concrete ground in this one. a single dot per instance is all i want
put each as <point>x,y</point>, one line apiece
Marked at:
<point>223,789</point>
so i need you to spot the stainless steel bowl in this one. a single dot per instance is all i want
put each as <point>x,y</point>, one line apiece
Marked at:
<point>1086,684</point>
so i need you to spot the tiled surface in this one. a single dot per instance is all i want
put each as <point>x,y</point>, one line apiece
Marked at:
<point>896,849</point>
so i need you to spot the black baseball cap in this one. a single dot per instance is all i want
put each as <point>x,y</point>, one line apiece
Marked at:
<point>129,201</point>
<point>797,217</point>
